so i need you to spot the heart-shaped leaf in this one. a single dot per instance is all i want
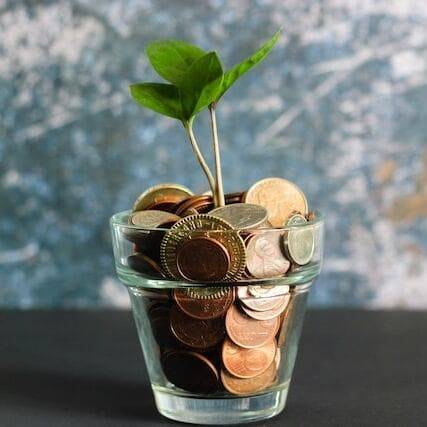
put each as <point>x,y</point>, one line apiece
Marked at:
<point>172,58</point>
<point>159,97</point>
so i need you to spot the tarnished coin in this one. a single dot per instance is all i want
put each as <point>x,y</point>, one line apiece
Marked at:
<point>159,319</point>
<point>202,259</point>
<point>195,333</point>
<point>144,265</point>
<point>162,195</point>
<point>241,215</point>
<point>203,226</point>
<point>247,362</point>
<point>194,204</point>
<point>247,332</point>
<point>259,303</point>
<point>274,313</point>
<point>152,219</point>
<point>279,196</point>
<point>204,303</point>
<point>243,386</point>
<point>264,256</point>
<point>190,371</point>
<point>299,240</point>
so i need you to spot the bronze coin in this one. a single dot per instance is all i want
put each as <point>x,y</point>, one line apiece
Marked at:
<point>247,362</point>
<point>269,314</point>
<point>192,203</point>
<point>159,319</point>
<point>247,332</point>
<point>261,302</point>
<point>190,371</point>
<point>264,256</point>
<point>196,333</point>
<point>202,259</point>
<point>236,197</point>
<point>144,265</point>
<point>204,303</point>
<point>241,386</point>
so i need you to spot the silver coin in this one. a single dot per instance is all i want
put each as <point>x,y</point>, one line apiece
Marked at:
<point>299,241</point>
<point>242,216</point>
<point>269,314</point>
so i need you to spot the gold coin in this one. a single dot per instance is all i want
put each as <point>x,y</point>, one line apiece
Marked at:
<point>161,194</point>
<point>203,226</point>
<point>242,216</point>
<point>299,240</point>
<point>152,219</point>
<point>280,197</point>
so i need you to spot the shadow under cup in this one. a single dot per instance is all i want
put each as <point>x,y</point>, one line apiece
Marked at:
<point>222,352</point>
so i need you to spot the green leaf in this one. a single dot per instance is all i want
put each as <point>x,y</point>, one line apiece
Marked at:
<point>239,69</point>
<point>159,97</point>
<point>201,84</point>
<point>172,58</point>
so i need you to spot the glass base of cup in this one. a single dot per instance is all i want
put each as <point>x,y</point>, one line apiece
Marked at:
<point>220,411</point>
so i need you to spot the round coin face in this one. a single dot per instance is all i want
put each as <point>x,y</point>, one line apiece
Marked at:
<point>241,216</point>
<point>198,334</point>
<point>243,386</point>
<point>206,226</point>
<point>267,290</point>
<point>299,241</point>
<point>160,195</point>
<point>247,362</point>
<point>152,218</point>
<point>259,303</point>
<point>190,371</point>
<point>247,332</point>
<point>273,313</point>
<point>202,259</point>
<point>280,197</point>
<point>204,303</point>
<point>264,256</point>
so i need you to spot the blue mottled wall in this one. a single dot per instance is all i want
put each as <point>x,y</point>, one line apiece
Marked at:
<point>339,108</point>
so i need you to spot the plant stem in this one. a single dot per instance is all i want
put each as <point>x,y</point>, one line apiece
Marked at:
<point>219,191</point>
<point>189,129</point>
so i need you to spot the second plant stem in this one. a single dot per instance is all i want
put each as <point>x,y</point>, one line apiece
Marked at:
<point>219,191</point>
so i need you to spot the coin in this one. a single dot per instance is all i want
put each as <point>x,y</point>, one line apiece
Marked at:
<point>267,290</point>
<point>202,259</point>
<point>152,218</point>
<point>190,371</point>
<point>279,196</point>
<point>264,256</point>
<point>285,324</point>
<point>166,195</point>
<point>247,362</point>
<point>203,226</point>
<point>195,333</point>
<point>193,204</point>
<point>241,215</point>
<point>240,386</point>
<point>259,303</point>
<point>144,265</point>
<point>269,314</point>
<point>247,332</point>
<point>204,303</point>
<point>299,240</point>
<point>159,319</point>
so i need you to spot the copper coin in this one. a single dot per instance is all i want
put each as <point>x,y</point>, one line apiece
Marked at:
<point>285,323</point>
<point>152,218</point>
<point>279,196</point>
<point>269,314</point>
<point>193,202</point>
<point>257,303</point>
<point>264,256</point>
<point>247,362</point>
<point>241,386</point>
<point>190,371</point>
<point>202,259</point>
<point>162,193</point>
<point>247,332</point>
<point>236,197</point>
<point>204,303</point>
<point>159,319</point>
<point>196,333</point>
<point>144,265</point>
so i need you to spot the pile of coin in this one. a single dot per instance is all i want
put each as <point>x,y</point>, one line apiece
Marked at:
<point>221,338</point>
<point>180,236</point>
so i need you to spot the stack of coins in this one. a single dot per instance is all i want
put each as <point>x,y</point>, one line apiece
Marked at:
<point>180,236</point>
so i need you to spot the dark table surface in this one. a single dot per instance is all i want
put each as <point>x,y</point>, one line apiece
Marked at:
<point>85,368</point>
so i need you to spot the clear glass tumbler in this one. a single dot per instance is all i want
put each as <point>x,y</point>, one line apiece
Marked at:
<point>220,353</point>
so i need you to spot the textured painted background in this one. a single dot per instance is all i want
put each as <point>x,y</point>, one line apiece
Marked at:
<point>339,108</point>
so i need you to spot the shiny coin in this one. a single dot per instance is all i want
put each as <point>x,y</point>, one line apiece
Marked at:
<point>279,196</point>
<point>299,241</point>
<point>203,226</point>
<point>274,313</point>
<point>264,256</point>
<point>198,334</point>
<point>243,386</point>
<point>247,332</point>
<point>263,303</point>
<point>202,259</point>
<point>241,215</point>
<point>144,265</point>
<point>152,219</point>
<point>165,195</point>
<point>247,362</point>
<point>204,303</point>
<point>267,290</point>
<point>190,371</point>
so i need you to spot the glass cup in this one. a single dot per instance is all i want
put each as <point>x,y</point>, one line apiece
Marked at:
<point>219,352</point>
